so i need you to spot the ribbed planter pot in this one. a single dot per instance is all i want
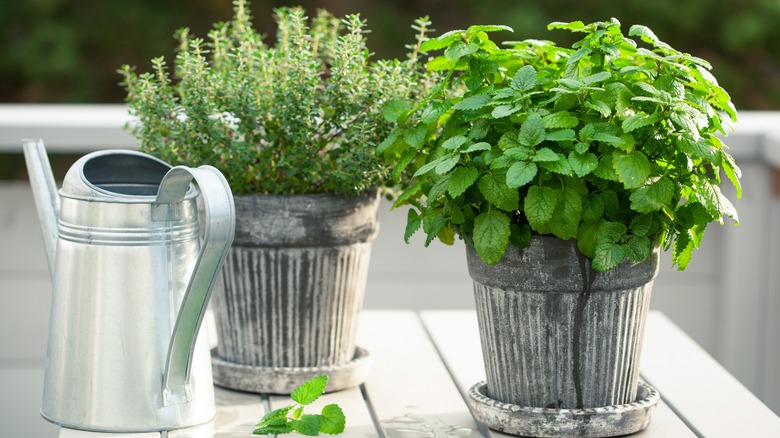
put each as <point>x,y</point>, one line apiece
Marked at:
<point>291,291</point>
<point>559,337</point>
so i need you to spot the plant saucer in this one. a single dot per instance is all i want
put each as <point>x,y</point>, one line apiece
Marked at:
<point>283,380</point>
<point>607,421</point>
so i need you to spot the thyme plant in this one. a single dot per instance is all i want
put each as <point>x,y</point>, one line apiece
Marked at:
<point>303,115</point>
<point>612,142</point>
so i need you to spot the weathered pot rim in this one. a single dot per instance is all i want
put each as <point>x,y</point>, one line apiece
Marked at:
<point>306,220</point>
<point>528,270</point>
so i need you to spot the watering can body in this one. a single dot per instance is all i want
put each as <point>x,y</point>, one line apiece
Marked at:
<point>131,282</point>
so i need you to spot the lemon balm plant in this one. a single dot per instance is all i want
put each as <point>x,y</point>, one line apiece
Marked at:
<point>612,142</point>
<point>564,170</point>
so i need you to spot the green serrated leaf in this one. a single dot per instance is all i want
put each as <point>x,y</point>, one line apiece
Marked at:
<point>441,42</point>
<point>491,235</point>
<point>637,248</point>
<point>560,166</point>
<point>639,120</point>
<point>568,212</point>
<point>605,170</point>
<point>545,155</point>
<point>476,147</point>
<point>582,147</point>
<point>273,430</point>
<point>683,250</point>
<point>641,225</point>
<point>439,63</point>
<point>717,204</point>
<point>561,135</point>
<point>586,238</point>
<point>447,164</point>
<point>608,256</point>
<point>310,390</point>
<point>597,77</point>
<point>276,417</point>
<point>411,192</point>
<point>387,142</point>
<point>644,33</point>
<point>531,131</point>
<point>592,208</point>
<point>459,49</point>
<point>461,179</point>
<point>495,190</point>
<point>473,30</point>
<point>607,138</point>
<point>539,205</point>
<point>433,222</point>
<point>611,232</point>
<point>632,169</point>
<point>479,129</point>
<point>332,420</point>
<point>571,84</point>
<point>404,161</point>
<point>309,425</point>
<point>524,79</point>
<point>653,197</point>
<point>560,119</point>
<point>519,153</point>
<point>573,26</point>
<point>453,143</point>
<point>600,107</point>
<point>508,140</point>
<point>472,102</point>
<point>395,109</point>
<point>440,165</point>
<point>733,173</point>
<point>415,137</point>
<point>413,222</point>
<point>438,189</point>
<point>505,111</point>
<point>583,164</point>
<point>520,174</point>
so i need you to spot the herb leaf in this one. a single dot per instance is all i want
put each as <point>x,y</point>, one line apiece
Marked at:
<point>310,391</point>
<point>292,418</point>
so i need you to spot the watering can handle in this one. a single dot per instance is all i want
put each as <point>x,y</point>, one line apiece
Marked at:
<point>220,226</point>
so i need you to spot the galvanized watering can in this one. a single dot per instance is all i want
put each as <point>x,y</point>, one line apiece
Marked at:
<point>131,285</point>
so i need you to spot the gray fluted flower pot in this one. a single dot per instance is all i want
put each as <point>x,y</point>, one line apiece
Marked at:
<point>556,334</point>
<point>291,291</point>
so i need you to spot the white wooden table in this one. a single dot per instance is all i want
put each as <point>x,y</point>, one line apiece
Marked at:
<point>424,362</point>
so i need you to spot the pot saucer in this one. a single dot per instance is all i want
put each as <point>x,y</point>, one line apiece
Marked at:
<point>607,421</point>
<point>283,380</point>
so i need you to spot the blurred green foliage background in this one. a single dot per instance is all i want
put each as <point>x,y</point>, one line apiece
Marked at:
<point>58,51</point>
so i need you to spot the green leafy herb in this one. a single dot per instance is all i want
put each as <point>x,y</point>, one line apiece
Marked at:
<point>291,418</point>
<point>613,142</point>
<point>301,114</point>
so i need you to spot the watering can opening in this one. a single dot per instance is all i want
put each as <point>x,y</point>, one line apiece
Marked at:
<point>125,174</point>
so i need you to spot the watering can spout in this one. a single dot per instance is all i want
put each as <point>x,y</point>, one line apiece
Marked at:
<point>44,190</point>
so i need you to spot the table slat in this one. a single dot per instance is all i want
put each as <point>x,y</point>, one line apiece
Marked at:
<point>408,385</point>
<point>699,388</point>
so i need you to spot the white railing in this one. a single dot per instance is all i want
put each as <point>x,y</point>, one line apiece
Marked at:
<point>728,300</point>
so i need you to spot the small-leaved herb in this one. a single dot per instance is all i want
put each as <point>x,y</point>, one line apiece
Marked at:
<point>291,418</point>
<point>301,114</point>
